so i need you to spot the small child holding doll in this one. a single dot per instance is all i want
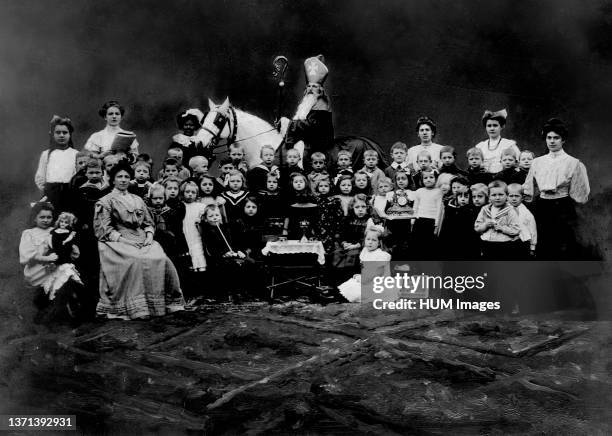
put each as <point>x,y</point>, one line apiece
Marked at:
<point>498,225</point>
<point>64,238</point>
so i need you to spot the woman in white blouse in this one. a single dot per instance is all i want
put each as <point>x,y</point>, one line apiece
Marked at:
<point>57,164</point>
<point>100,143</point>
<point>426,130</point>
<point>558,181</point>
<point>494,123</point>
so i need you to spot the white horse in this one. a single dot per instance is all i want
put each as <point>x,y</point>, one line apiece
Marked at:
<point>224,122</point>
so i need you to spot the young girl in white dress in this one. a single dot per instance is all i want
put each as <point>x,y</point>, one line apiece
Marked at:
<point>194,211</point>
<point>374,263</point>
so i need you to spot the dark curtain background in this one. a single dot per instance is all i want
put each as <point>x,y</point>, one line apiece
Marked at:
<point>390,62</point>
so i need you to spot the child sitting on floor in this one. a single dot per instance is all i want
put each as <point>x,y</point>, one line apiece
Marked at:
<point>374,263</point>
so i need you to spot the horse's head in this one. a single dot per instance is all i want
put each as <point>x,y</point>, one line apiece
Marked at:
<point>217,123</point>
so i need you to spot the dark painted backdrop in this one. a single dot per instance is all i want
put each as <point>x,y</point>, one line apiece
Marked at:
<point>390,62</point>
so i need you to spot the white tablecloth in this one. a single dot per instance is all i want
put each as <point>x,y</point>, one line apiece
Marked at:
<point>293,247</point>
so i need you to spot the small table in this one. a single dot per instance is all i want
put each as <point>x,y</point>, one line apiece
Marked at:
<point>295,247</point>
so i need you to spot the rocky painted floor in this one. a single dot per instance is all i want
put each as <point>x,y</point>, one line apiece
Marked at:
<point>307,369</point>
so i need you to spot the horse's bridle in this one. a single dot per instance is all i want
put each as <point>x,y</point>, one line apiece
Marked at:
<point>220,121</point>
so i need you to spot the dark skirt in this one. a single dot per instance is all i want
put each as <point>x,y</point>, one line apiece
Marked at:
<point>424,240</point>
<point>556,223</point>
<point>59,195</point>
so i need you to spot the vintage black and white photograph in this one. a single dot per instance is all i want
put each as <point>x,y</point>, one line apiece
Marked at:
<point>306,217</point>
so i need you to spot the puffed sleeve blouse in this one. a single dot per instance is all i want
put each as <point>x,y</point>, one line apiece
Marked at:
<point>557,175</point>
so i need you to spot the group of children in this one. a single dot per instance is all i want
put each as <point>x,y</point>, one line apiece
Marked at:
<point>215,226</point>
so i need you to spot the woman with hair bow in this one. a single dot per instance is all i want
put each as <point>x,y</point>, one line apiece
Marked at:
<point>57,164</point>
<point>494,123</point>
<point>558,181</point>
<point>189,123</point>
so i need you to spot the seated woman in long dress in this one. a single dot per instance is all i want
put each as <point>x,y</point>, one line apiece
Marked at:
<point>137,279</point>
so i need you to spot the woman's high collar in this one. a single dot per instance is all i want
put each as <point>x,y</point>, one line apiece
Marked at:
<point>112,129</point>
